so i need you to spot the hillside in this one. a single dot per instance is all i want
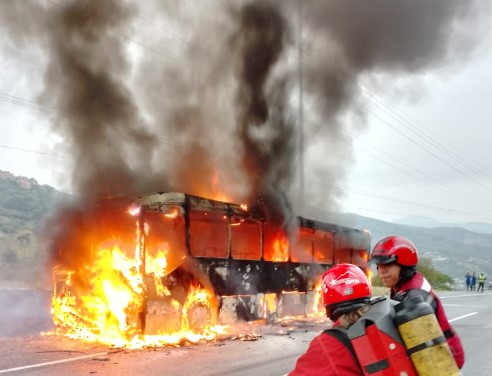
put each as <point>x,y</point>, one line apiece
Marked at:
<point>24,204</point>
<point>454,250</point>
<point>480,227</point>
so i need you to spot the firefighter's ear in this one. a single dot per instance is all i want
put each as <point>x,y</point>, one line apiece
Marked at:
<point>353,317</point>
<point>345,320</point>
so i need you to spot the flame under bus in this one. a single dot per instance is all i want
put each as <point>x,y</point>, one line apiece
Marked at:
<point>169,262</point>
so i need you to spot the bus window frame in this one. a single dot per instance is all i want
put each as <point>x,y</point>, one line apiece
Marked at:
<point>241,221</point>
<point>192,231</point>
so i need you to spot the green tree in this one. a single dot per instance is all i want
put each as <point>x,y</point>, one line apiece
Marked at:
<point>437,279</point>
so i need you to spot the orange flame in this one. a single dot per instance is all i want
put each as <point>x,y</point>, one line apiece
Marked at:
<point>107,308</point>
<point>104,311</point>
<point>369,274</point>
<point>281,249</point>
<point>318,307</point>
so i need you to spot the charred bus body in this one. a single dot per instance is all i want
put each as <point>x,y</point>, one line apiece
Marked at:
<point>254,269</point>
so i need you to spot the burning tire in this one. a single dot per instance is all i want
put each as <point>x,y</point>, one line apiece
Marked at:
<point>198,318</point>
<point>199,311</point>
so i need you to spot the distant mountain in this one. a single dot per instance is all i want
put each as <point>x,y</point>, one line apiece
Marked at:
<point>479,227</point>
<point>454,249</point>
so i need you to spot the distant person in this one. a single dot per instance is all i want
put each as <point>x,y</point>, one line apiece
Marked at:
<point>396,259</point>
<point>346,296</point>
<point>468,281</point>
<point>473,281</point>
<point>481,281</point>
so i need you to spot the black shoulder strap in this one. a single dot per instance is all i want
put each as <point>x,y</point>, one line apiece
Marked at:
<point>426,296</point>
<point>342,336</point>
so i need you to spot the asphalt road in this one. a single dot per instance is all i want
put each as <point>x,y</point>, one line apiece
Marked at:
<point>24,312</point>
<point>274,352</point>
<point>269,350</point>
<point>471,316</point>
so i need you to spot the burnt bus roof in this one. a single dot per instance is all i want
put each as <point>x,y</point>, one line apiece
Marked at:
<point>154,201</point>
<point>159,198</point>
<point>331,227</point>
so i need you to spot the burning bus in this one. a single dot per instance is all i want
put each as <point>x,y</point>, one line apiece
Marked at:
<point>172,262</point>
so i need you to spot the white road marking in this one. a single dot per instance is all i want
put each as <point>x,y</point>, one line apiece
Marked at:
<point>464,295</point>
<point>462,305</point>
<point>462,317</point>
<point>455,305</point>
<point>50,363</point>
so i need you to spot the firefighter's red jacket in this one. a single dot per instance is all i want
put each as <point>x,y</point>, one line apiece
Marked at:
<point>418,286</point>
<point>326,356</point>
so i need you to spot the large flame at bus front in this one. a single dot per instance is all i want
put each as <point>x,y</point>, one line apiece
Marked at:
<point>108,310</point>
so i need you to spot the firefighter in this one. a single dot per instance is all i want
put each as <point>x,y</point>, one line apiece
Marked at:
<point>396,259</point>
<point>346,296</point>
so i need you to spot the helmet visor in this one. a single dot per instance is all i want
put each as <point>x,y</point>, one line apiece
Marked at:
<point>382,259</point>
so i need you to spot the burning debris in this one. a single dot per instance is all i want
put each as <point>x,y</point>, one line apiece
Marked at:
<point>211,114</point>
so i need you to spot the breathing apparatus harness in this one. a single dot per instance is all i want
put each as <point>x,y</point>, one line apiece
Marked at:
<point>395,338</point>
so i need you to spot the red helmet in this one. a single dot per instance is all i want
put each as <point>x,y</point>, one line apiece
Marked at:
<point>395,249</point>
<point>345,283</point>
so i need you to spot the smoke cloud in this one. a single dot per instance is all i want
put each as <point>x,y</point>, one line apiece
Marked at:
<point>202,97</point>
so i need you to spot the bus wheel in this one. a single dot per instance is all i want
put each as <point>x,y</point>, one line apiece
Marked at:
<point>199,311</point>
<point>197,317</point>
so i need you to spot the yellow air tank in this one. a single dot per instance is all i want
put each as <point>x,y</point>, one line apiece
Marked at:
<point>424,339</point>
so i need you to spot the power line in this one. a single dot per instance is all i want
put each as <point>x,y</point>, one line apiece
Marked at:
<point>36,152</point>
<point>412,171</point>
<point>4,97</point>
<point>128,38</point>
<point>433,143</point>
<point>159,27</point>
<point>35,106</point>
<point>38,107</point>
<point>388,212</point>
<point>428,151</point>
<point>416,174</point>
<point>408,123</point>
<point>436,145</point>
<point>394,199</point>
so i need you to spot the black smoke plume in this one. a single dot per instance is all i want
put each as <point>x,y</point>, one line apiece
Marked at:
<point>201,98</point>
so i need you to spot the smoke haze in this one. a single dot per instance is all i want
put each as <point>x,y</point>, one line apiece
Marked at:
<point>202,97</point>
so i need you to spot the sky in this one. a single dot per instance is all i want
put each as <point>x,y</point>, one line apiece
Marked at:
<point>429,156</point>
<point>411,122</point>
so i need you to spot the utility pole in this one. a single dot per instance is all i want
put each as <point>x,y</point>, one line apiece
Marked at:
<point>301,107</point>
